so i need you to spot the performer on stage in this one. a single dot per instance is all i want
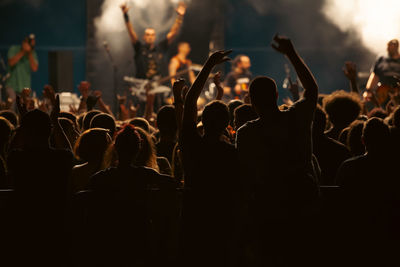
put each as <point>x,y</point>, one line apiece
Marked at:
<point>22,60</point>
<point>149,56</point>
<point>180,63</point>
<point>386,71</point>
<point>237,81</point>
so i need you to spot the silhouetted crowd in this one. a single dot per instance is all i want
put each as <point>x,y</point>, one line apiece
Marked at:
<point>313,182</point>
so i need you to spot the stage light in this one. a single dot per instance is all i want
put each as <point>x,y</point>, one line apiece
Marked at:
<point>374,22</point>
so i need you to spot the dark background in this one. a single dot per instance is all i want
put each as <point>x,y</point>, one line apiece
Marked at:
<point>247,26</point>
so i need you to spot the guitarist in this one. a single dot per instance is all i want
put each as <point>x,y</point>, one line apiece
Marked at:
<point>386,71</point>
<point>180,63</point>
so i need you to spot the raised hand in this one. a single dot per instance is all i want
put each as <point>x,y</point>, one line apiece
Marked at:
<point>55,112</point>
<point>218,85</point>
<point>97,93</point>
<point>282,44</point>
<point>219,57</point>
<point>350,70</point>
<point>124,7</point>
<point>181,9</point>
<point>21,106</point>
<point>177,90</point>
<point>84,88</point>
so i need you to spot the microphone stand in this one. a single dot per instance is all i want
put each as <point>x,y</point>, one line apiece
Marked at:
<point>115,69</point>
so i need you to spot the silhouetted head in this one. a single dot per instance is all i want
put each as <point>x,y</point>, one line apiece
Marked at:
<point>354,138</point>
<point>263,95</point>
<point>70,116</point>
<point>92,144</point>
<point>149,36</point>
<point>232,105</point>
<point>35,129</point>
<point>104,121</point>
<point>127,144</point>
<point>166,121</point>
<point>141,122</point>
<point>10,116</point>
<point>88,118</point>
<point>376,136</point>
<point>215,118</point>
<point>6,129</point>
<point>69,129</point>
<point>342,108</point>
<point>377,113</point>
<point>319,123</point>
<point>243,114</point>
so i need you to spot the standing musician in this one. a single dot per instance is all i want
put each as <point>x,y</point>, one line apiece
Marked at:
<point>180,63</point>
<point>386,71</point>
<point>237,81</point>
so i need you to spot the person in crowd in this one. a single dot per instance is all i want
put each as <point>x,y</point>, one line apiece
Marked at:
<point>10,116</point>
<point>370,190</point>
<point>210,177</point>
<point>121,223</point>
<point>90,148</point>
<point>243,114</point>
<point>39,174</point>
<point>87,118</point>
<point>342,109</point>
<point>275,152</point>
<point>6,130</point>
<point>329,152</point>
<point>354,138</point>
<point>167,126</point>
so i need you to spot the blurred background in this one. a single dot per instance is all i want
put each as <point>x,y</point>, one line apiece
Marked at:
<point>71,36</point>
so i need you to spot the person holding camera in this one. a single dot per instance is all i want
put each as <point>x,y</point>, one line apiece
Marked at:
<point>22,60</point>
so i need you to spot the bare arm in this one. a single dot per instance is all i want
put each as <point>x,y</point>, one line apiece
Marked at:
<point>32,62</point>
<point>177,89</point>
<point>173,66</point>
<point>129,26</point>
<point>190,108</point>
<point>181,10</point>
<point>350,71</point>
<point>14,60</point>
<point>372,81</point>
<point>285,46</point>
<point>218,85</point>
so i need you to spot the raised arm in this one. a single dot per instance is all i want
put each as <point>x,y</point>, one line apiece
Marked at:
<point>190,107</point>
<point>218,86</point>
<point>285,46</point>
<point>180,10</point>
<point>177,89</point>
<point>350,71</point>
<point>129,27</point>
